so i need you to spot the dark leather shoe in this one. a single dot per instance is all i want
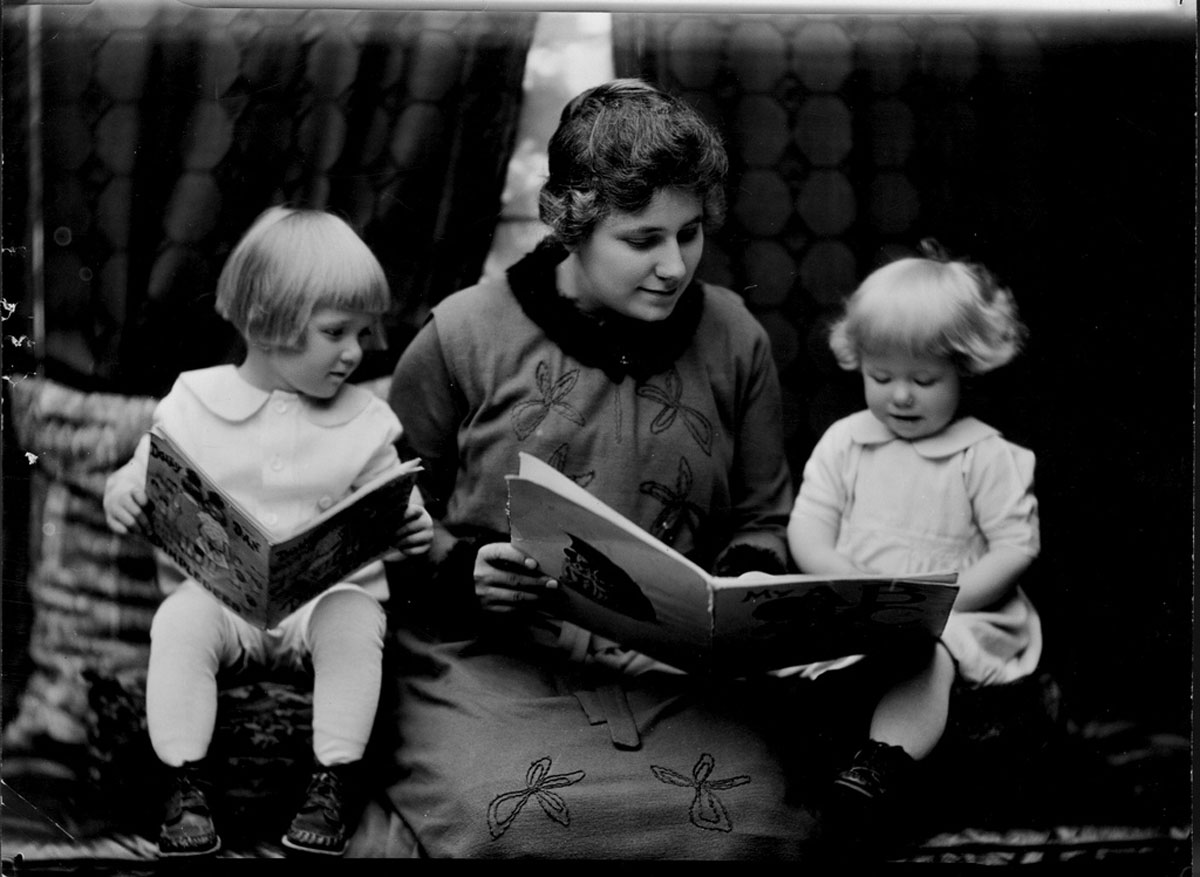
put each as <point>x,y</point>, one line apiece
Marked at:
<point>320,826</point>
<point>187,828</point>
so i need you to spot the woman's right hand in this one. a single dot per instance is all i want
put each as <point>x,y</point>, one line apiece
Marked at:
<point>507,579</point>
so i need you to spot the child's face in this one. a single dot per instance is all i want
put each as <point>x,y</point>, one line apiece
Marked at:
<point>329,352</point>
<point>913,396</point>
<point>639,264</point>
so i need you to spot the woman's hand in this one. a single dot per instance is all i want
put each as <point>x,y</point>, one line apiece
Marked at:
<point>416,532</point>
<point>124,505</point>
<point>507,579</point>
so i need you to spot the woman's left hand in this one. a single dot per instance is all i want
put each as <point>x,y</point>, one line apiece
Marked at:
<point>416,532</point>
<point>506,579</point>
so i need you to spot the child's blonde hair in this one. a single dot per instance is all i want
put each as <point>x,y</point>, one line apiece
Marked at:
<point>292,262</point>
<point>930,306</point>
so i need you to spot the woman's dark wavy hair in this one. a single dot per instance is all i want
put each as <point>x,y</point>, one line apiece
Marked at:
<point>617,145</point>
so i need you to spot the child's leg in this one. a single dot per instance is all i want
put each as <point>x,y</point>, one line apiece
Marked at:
<point>345,639</point>
<point>907,724</point>
<point>912,713</point>
<point>345,636</point>
<point>866,809</point>
<point>190,640</point>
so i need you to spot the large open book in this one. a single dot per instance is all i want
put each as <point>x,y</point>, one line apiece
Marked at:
<point>618,581</point>
<point>258,576</point>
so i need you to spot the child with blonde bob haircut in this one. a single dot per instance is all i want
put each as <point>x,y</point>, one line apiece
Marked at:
<point>911,486</point>
<point>291,263</point>
<point>287,437</point>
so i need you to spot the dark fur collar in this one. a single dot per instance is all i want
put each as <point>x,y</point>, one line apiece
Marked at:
<point>617,345</point>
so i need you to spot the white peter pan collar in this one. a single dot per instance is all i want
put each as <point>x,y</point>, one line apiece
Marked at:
<point>866,429</point>
<point>227,395</point>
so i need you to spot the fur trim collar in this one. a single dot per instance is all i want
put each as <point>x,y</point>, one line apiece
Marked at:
<point>618,345</point>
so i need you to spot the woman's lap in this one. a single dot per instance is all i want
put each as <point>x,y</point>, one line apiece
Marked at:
<point>506,755</point>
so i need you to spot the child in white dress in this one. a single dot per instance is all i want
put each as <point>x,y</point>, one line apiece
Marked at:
<point>287,437</point>
<point>911,486</point>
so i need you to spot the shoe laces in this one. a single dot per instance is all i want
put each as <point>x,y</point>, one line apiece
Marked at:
<point>324,794</point>
<point>188,796</point>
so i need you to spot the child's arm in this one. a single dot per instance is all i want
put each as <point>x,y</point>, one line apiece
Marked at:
<point>811,540</point>
<point>816,517</point>
<point>999,479</point>
<point>990,579</point>
<point>125,493</point>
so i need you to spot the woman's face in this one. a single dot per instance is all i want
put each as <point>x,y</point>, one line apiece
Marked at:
<point>638,264</point>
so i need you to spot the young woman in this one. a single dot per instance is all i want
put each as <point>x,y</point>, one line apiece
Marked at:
<point>602,354</point>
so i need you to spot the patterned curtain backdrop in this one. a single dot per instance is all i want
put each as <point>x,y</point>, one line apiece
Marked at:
<point>850,137</point>
<point>141,139</point>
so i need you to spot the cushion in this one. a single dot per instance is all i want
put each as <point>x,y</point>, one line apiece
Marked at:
<point>93,593</point>
<point>261,756</point>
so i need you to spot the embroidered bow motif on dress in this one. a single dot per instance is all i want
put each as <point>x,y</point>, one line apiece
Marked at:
<point>707,810</point>
<point>528,416</point>
<point>677,509</point>
<point>538,782</point>
<point>559,461</point>
<point>670,396</point>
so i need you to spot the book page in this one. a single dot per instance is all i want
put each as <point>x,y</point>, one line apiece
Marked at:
<point>204,531</point>
<point>356,531</point>
<point>407,467</point>
<point>619,581</point>
<point>615,579</point>
<point>768,622</point>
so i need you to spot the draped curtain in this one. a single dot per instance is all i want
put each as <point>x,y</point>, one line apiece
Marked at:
<point>850,138</point>
<point>142,139</point>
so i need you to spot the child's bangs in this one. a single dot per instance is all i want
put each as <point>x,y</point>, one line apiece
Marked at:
<point>354,286</point>
<point>325,275</point>
<point>305,285</point>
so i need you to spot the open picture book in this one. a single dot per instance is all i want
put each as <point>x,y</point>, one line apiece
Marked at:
<point>618,581</point>
<point>260,577</point>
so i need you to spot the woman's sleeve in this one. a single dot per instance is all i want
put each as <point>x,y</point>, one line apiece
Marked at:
<point>761,484</point>
<point>999,479</point>
<point>431,407</point>
<point>425,398</point>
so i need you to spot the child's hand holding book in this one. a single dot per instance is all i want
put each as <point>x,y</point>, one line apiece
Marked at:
<point>416,531</point>
<point>125,503</point>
